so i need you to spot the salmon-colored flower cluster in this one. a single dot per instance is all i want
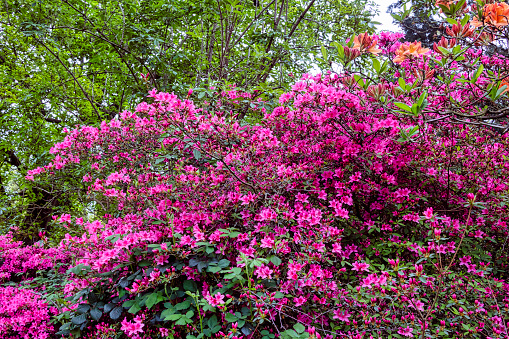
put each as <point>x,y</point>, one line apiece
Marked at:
<point>496,15</point>
<point>365,43</point>
<point>446,3</point>
<point>445,43</point>
<point>460,31</point>
<point>407,50</point>
<point>505,83</point>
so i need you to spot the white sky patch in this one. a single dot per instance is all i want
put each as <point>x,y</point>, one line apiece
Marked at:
<point>385,18</point>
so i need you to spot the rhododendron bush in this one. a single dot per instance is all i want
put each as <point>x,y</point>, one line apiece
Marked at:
<point>368,204</point>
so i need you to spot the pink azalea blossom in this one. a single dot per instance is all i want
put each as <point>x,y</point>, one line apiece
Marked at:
<point>407,332</point>
<point>360,266</point>
<point>132,328</point>
<point>342,315</point>
<point>263,272</point>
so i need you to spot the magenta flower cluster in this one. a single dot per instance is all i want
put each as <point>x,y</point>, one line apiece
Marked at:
<point>329,214</point>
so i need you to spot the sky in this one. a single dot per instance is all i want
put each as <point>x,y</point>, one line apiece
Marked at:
<point>384,17</point>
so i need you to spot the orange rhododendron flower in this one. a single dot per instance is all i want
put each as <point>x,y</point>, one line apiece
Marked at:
<point>364,43</point>
<point>407,50</point>
<point>494,15</point>
<point>446,3</point>
<point>502,83</point>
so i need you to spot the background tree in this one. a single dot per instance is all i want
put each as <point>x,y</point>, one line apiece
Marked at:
<point>417,24</point>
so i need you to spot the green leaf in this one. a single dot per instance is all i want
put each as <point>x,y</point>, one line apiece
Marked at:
<point>183,321</point>
<point>279,295</point>
<point>96,314</point>
<point>213,269</point>
<point>189,285</point>
<point>290,334</point>
<point>230,318</point>
<point>108,307</point>
<point>151,300</point>
<point>116,313</point>
<point>212,321</point>
<point>197,154</point>
<point>376,65</point>
<point>275,260</point>
<point>403,106</point>
<point>183,305</point>
<point>80,319</point>
<point>135,308</point>
<point>299,328</point>
<point>499,92</point>
<point>167,312</point>
<point>324,52</point>
<point>465,20</point>
<point>422,98</point>
<point>223,263</point>
<point>173,317</point>
<point>83,308</point>
<point>402,83</point>
<point>480,69</point>
<point>359,80</point>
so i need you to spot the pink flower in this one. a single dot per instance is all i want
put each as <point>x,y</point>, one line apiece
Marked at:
<point>131,328</point>
<point>360,266</point>
<point>341,212</point>
<point>341,315</point>
<point>479,234</point>
<point>65,218</point>
<point>218,299</point>
<point>264,272</point>
<point>155,275</point>
<point>394,263</point>
<point>320,247</point>
<point>300,86</point>
<point>428,213</point>
<point>267,214</point>
<point>417,304</point>
<point>301,197</point>
<point>267,242</point>
<point>161,259</point>
<point>407,332</point>
<point>186,240</point>
<point>336,248</point>
<point>299,300</point>
<point>465,260</point>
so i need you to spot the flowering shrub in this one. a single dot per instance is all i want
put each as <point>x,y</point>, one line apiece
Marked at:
<point>366,204</point>
<point>23,314</point>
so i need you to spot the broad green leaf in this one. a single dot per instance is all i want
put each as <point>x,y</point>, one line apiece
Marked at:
<point>151,300</point>
<point>299,328</point>
<point>230,318</point>
<point>403,106</point>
